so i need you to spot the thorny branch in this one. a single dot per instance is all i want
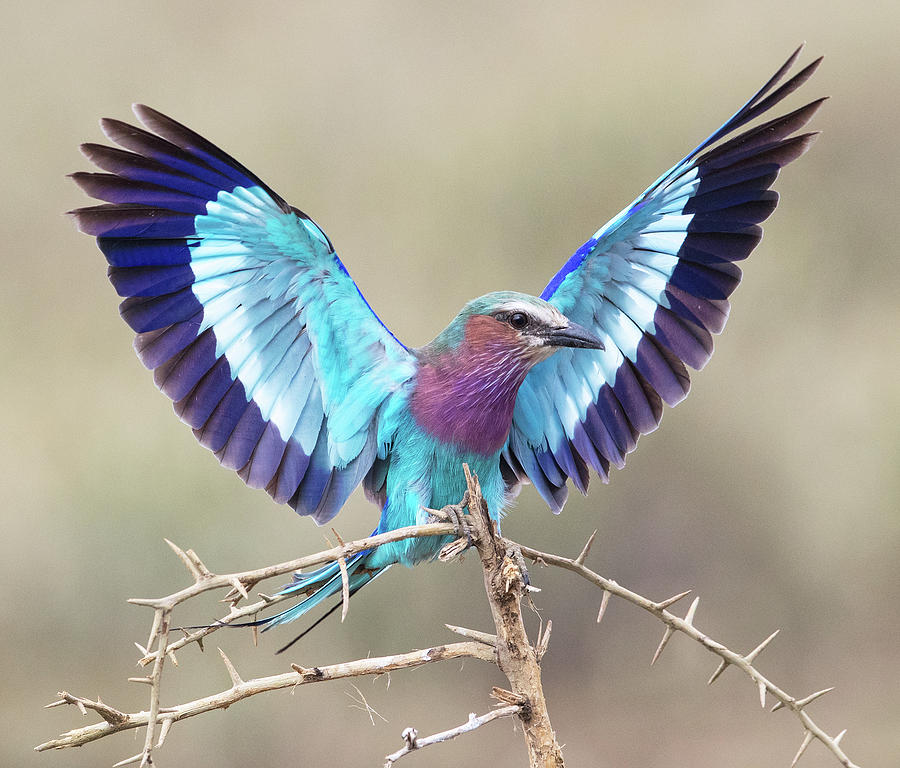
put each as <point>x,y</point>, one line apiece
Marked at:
<point>115,721</point>
<point>728,657</point>
<point>517,657</point>
<point>505,582</point>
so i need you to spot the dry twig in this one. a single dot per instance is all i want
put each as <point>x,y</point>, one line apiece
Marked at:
<point>243,689</point>
<point>510,648</point>
<point>413,742</point>
<point>728,657</point>
<point>504,582</point>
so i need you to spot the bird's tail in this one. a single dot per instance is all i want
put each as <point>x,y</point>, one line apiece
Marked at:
<point>321,584</point>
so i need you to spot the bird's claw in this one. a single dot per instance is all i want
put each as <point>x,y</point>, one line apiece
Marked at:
<point>454,513</point>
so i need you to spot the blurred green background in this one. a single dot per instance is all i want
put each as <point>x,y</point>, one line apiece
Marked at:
<point>450,149</point>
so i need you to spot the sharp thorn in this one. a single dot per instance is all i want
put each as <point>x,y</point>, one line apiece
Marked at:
<point>760,648</point>
<point>147,601</point>
<point>604,601</point>
<point>232,672</point>
<point>661,606</point>
<point>204,572</point>
<point>762,694</point>
<point>800,703</point>
<point>345,584</point>
<point>164,731</point>
<point>689,616</point>
<point>474,634</point>
<point>187,560</point>
<point>176,549</point>
<point>59,703</point>
<point>807,738</point>
<point>129,760</point>
<point>719,670</point>
<point>837,739</point>
<point>236,583</point>
<point>778,705</point>
<point>171,656</point>
<point>587,548</point>
<point>265,598</point>
<point>144,651</point>
<point>144,680</point>
<point>662,644</point>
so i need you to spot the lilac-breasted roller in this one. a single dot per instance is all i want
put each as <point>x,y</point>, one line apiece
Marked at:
<point>254,328</point>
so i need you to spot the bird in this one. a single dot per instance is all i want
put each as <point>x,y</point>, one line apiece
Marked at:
<point>255,330</point>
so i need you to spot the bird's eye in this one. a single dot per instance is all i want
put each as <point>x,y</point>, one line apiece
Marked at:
<point>518,320</point>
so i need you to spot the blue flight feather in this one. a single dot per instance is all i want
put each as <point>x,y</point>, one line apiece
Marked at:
<point>255,329</point>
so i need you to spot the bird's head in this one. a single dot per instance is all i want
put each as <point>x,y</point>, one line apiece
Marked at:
<point>469,376</point>
<point>517,322</point>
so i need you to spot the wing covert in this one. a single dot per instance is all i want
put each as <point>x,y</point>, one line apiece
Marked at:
<point>248,318</point>
<point>653,284</point>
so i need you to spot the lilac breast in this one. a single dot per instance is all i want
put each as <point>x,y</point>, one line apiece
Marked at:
<point>469,404</point>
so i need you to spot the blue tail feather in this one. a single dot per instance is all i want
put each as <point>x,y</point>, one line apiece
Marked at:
<point>325,582</point>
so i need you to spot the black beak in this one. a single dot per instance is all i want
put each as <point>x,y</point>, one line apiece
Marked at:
<point>573,335</point>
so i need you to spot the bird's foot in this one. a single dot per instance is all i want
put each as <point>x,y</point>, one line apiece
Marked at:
<point>456,514</point>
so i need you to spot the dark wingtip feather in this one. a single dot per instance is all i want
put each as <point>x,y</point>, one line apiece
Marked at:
<point>116,130</point>
<point>782,92</point>
<point>798,145</point>
<point>192,142</point>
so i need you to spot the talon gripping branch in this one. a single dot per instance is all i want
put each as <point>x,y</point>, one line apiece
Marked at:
<point>256,331</point>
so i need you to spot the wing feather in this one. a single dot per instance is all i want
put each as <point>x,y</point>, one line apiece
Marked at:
<point>251,323</point>
<point>653,284</point>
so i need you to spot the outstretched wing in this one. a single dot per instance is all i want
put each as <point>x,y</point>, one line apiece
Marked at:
<point>653,284</point>
<point>251,323</point>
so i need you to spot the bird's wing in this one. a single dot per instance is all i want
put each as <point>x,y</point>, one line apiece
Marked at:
<point>251,323</point>
<point>653,284</point>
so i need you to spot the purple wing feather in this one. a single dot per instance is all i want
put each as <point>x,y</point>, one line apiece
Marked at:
<point>244,312</point>
<point>654,285</point>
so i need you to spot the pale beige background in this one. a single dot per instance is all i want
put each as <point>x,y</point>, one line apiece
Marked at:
<point>450,149</point>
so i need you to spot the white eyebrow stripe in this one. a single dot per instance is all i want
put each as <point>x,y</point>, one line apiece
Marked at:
<point>548,315</point>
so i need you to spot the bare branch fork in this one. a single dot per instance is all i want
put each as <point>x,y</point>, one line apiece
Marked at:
<point>503,566</point>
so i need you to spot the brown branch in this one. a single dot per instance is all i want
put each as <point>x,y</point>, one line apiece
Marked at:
<point>243,689</point>
<point>728,657</point>
<point>503,569</point>
<point>502,564</point>
<point>204,581</point>
<point>158,649</point>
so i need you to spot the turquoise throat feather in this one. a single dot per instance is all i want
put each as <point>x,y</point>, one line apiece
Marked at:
<point>256,331</point>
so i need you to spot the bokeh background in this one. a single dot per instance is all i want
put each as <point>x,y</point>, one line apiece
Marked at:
<point>450,149</point>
